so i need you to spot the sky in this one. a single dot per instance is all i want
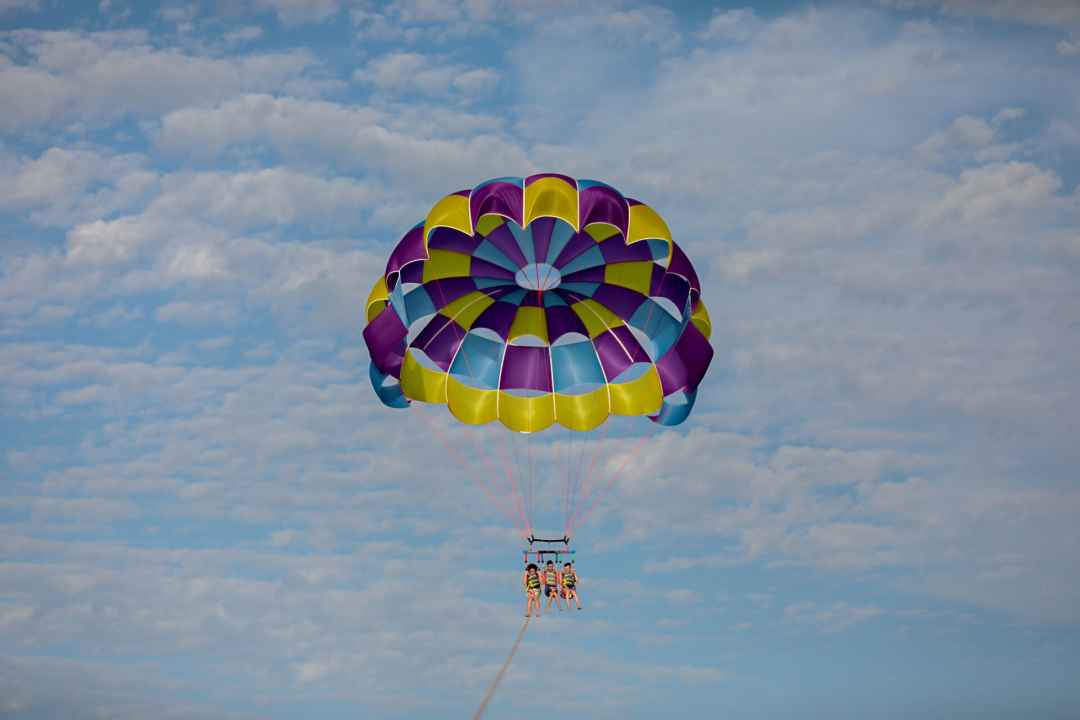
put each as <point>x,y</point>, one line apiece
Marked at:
<point>873,511</point>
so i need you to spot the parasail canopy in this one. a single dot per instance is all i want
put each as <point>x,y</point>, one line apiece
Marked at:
<point>539,301</point>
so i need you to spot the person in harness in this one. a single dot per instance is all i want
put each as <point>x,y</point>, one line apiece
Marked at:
<point>552,581</point>
<point>531,581</point>
<point>569,585</point>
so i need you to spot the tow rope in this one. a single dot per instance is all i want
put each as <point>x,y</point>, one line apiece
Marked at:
<point>502,671</point>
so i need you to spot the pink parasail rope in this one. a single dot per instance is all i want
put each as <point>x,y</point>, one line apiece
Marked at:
<point>611,481</point>
<point>465,465</point>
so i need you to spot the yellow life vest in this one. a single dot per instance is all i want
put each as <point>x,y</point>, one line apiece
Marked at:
<point>569,579</point>
<point>532,580</point>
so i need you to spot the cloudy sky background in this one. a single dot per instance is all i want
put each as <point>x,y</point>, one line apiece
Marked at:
<point>205,512</point>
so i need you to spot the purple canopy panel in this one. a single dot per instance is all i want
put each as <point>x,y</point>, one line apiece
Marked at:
<point>385,338</point>
<point>499,317</point>
<point>501,198</point>
<point>615,250</point>
<point>526,368</point>
<point>603,204</point>
<point>578,243</point>
<point>618,350</point>
<point>562,320</point>
<point>413,272</point>
<point>619,300</point>
<point>444,238</point>
<point>681,265</point>
<point>541,234</point>
<point>483,268</point>
<point>593,274</point>
<point>445,291</point>
<point>440,340</point>
<point>409,248</point>
<point>685,364</point>
<point>658,274</point>
<point>675,289</point>
<point>504,240</point>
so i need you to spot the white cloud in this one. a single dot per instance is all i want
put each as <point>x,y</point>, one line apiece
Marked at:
<point>682,596</point>
<point>967,137</point>
<point>64,186</point>
<point>438,20</point>
<point>731,25</point>
<point>1051,13</point>
<point>832,618</point>
<point>298,12</point>
<point>106,242</point>
<point>244,34</point>
<point>352,138</point>
<point>404,72</point>
<point>262,198</point>
<point>196,313</point>
<point>98,77</point>
<point>992,192</point>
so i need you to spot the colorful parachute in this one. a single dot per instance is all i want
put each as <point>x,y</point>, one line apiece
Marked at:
<point>536,301</point>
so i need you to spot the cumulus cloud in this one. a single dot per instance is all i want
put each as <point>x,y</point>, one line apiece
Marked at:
<point>731,25</point>
<point>1051,13</point>
<point>64,186</point>
<point>831,618</point>
<point>358,139</point>
<point>298,12</point>
<point>101,77</point>
<point>405,72</point>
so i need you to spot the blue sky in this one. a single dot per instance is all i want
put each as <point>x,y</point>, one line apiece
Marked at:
<point>206,513</point>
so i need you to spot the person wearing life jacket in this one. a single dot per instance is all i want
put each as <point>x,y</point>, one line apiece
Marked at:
<point>552,580</point>
<point>531,582</point>
<point>569,585</point>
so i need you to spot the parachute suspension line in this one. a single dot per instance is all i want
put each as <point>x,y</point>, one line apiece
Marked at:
<point>465,465</point>
<point>578,477</point>
<point>495,473</point>
<point>532,486</point>
<point>521,489</point>
<point>502,671</point>
<point>568,448</point>
<point>605,489</point>
<point>583,488</point>
<point>511,473</point>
